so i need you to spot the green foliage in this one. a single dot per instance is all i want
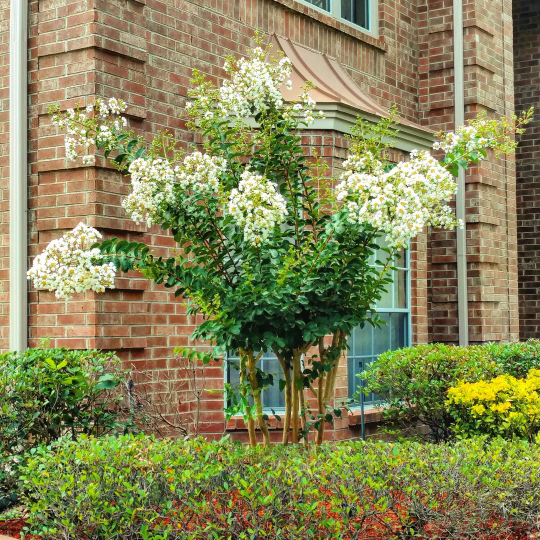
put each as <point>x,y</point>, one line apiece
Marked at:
<point>414,382</point>
<point>516,359</point>
<point>138,487</point>
<point>49,393</point>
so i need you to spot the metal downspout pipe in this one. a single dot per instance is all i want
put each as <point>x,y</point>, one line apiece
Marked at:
<point>459,119</point>
<point>18,174</point>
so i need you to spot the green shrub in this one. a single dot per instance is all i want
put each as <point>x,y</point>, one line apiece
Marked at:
<point>138,487</point>
<point>414,382</point>
<point>48,393</point>
<point>516,359</point>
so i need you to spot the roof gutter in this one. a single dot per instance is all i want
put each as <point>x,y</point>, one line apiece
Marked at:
<point>459,119</point>
<point>18,175</point>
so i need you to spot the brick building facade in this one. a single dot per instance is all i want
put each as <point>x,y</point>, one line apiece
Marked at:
<point>144,51</point>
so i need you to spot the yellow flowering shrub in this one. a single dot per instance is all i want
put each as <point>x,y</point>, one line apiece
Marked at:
<point>504,406</point>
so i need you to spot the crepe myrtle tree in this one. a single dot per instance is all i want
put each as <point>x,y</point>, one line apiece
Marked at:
<point>272,252</point>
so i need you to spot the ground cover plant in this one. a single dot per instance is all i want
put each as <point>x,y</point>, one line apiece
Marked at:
<point>138,487</point>
<point>413,383</point>
<point>273,253</point>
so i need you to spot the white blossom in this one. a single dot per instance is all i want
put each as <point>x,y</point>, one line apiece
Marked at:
<point>255,83</point>
<point>466,136</point>
<point>257,207</point>
<point>400,202</point>
<point>152,183</point>
<point>83,133</point>
<point>200,172</point>
<point>67,265</point>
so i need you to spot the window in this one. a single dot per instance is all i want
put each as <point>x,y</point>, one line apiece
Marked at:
<point>365,344</point>
<point>354,11</point>
<point>322,4</point>
<point>271,397</point>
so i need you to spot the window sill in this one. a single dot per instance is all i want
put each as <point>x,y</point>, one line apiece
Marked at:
<point>372,414</point>
<point>336,24</point>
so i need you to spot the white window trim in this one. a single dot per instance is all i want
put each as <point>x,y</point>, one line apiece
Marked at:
<point>335,12</point>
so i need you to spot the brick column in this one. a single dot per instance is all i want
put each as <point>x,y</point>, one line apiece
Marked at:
<point>491,208</point>
<point>527,88</point>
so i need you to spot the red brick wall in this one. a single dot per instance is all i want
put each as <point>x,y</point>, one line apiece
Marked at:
<point>527,89</point>
<point>490,187</point>
<point>144,51</point>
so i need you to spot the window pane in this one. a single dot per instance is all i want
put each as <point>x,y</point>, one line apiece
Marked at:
<point>356,366</point>
<point>381,335</point>
<point>400,260</point>
<point>355,11</point>
<point>362,341</point>
<point>400,289</point>
<point>386,296</point>
<point>398,330</point>
<point>272,398</point>
<point>323,4</point>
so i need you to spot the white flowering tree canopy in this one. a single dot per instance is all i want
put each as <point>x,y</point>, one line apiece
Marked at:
<point>272,251</point>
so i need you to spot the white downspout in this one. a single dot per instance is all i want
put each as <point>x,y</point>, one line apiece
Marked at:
<point>459,119</point>
<point>18,174</point>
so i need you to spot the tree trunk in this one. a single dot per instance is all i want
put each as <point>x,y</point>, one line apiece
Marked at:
<point>327,386</point>
<point>250,421</point>
<point>295,395</point>
<point>286,368</point>
<point>254,383</point>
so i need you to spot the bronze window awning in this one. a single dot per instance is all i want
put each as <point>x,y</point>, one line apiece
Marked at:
<point>340,97</point>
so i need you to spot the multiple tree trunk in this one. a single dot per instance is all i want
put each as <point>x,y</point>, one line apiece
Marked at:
<point>296,427</point>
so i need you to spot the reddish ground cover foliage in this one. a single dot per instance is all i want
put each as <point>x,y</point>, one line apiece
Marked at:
<point>12,527</point>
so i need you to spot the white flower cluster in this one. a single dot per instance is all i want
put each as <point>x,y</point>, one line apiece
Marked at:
<point>465,136</point>
<point>152,182</point>
<point>306,108</point>
<point>257,207</point>
<point>400,202</point>
<point>254,83</point>
<point>81,135</point>
<point>113,106</point>
<point>66,266</point>
<point>200,172</point>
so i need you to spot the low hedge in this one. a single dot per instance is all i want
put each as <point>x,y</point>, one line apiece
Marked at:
<point>140,488</point>
<point>414,382</point>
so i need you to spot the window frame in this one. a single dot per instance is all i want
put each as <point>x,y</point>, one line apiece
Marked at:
<point>368,400</point>
<point>280,410</point>
<point>335,12</point>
